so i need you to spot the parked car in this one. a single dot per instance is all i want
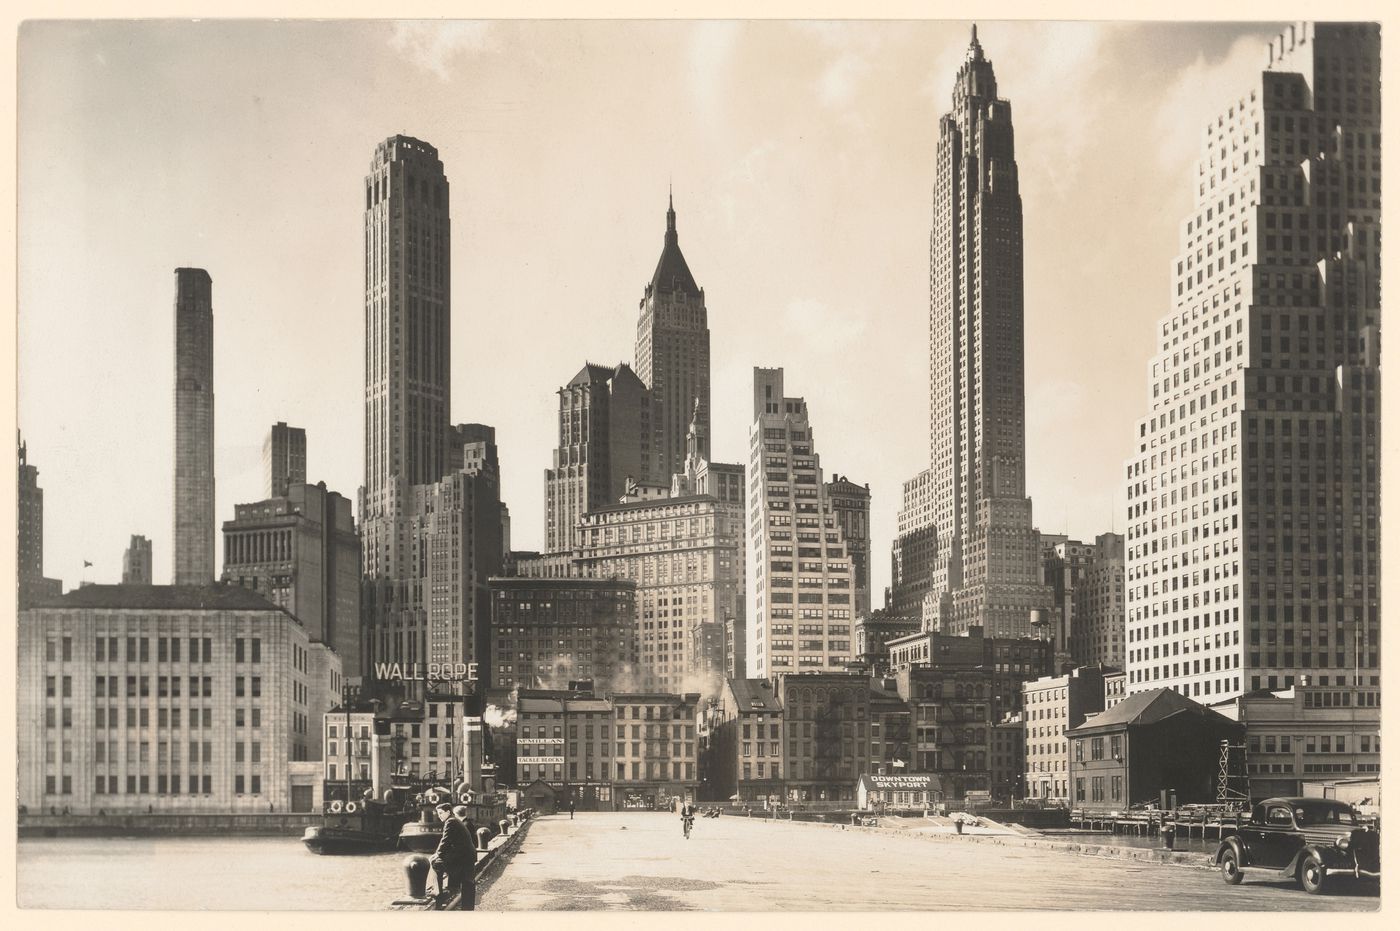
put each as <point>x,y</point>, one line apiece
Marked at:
<point>1311,840</point>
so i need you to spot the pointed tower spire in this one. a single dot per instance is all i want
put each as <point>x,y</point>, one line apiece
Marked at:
<point>670,213</point>
<point>974,48</point>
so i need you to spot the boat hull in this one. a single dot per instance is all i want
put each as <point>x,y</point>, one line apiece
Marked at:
<point>339,841</point>
<point>418,837</point>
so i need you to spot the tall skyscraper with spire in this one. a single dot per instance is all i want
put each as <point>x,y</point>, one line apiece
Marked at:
<point>1253,540</point>
<point>673,355</point>
<point>986,564</point>
<point>193,551</point>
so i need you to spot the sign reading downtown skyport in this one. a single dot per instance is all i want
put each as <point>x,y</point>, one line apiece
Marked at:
<point>426,672</point>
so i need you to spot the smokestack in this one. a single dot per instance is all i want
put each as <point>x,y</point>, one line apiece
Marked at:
<point>473,752</point>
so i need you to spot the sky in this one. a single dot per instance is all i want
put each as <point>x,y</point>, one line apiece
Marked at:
<point>801,156</point>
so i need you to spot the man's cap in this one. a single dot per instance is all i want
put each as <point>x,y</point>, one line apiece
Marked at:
<point>444,806</point>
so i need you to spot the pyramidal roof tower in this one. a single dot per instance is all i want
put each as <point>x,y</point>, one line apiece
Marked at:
<point>673,355</point>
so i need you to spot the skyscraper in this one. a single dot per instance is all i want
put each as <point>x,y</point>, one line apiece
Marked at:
<point>431,519</point>
<point>912,554</point>
<point>1099,610</point>
<point>284,459</point>
<point>685,552</point>
<point>850,503</point>
<point>1253,494</point>
<point>604,418</point>
<point>301,552</point>
<point>802,588</point>
<point>673,356</point>
<point>30,555</point>
<point>407,279</point>
<point>986,565</point>
<point>136,561</point>
<point>193,551</point>
<point>408,329</point>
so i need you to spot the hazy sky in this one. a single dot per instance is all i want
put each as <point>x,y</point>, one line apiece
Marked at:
<point>802,159</point>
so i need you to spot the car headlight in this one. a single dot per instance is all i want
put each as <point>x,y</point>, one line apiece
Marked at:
<point>1344,842</point>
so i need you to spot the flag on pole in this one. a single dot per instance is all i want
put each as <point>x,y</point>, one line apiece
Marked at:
<point>86,564</point>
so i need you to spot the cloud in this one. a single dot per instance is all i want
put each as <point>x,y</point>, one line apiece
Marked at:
<point>1203,90</point>
<point>1059,97</point>
<point>434,45</point>
<point>854,49</point>
<point>821,326</point>
<point>841,79</point>
<point>712,46</point>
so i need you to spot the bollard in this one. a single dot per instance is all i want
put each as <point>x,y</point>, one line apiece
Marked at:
<point>1169,835</point>
<point>958,824</point>
<point>505,827</point>
<point>483,839</point>
<point>415,869</point>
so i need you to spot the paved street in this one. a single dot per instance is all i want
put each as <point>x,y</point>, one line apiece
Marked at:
<point>622,860</point>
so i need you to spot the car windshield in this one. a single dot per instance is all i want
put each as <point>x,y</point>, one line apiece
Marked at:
<point>1323,814</point>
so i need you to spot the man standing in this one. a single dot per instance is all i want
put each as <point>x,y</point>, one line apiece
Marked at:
<point>571,809</point>
<point>455,858</point>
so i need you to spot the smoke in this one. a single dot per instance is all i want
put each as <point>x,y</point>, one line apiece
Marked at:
<point>498,717</point>
<point>629,678</point>
<point>707,685</point>
<point>560,672</point>
<point>625,679</point>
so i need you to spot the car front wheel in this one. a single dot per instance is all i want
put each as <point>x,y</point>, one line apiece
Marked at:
<point>1230,868</point>
<point>1311,876</point>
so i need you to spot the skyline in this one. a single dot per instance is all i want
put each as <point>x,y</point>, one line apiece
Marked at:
<point>844,283</point>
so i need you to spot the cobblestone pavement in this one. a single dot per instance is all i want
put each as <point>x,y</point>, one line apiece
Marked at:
<point>640,861</point>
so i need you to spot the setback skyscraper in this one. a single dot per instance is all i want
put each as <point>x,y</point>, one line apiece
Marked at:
<point>986,564</point>
<point>407,279</point>
<point>408,319</point>
<point>431,514</point>
<point>1253,555</point>
<point>802,587</point>
<point>673,357</point>
<point>193,550</point>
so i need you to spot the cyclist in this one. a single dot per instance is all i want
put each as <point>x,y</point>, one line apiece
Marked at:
<point>687,818</point>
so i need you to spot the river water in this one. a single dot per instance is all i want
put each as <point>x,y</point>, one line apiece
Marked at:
<point>181,873</point>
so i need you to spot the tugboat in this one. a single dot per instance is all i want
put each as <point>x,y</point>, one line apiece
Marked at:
<point>421,835</point>
<point>364,826</point>
<point>364,816</point>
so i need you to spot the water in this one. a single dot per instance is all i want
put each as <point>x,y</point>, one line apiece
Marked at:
<point>182,873</point>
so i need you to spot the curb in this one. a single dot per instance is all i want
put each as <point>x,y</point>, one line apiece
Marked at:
<point>1194,858</point>
<point>493,864</point>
